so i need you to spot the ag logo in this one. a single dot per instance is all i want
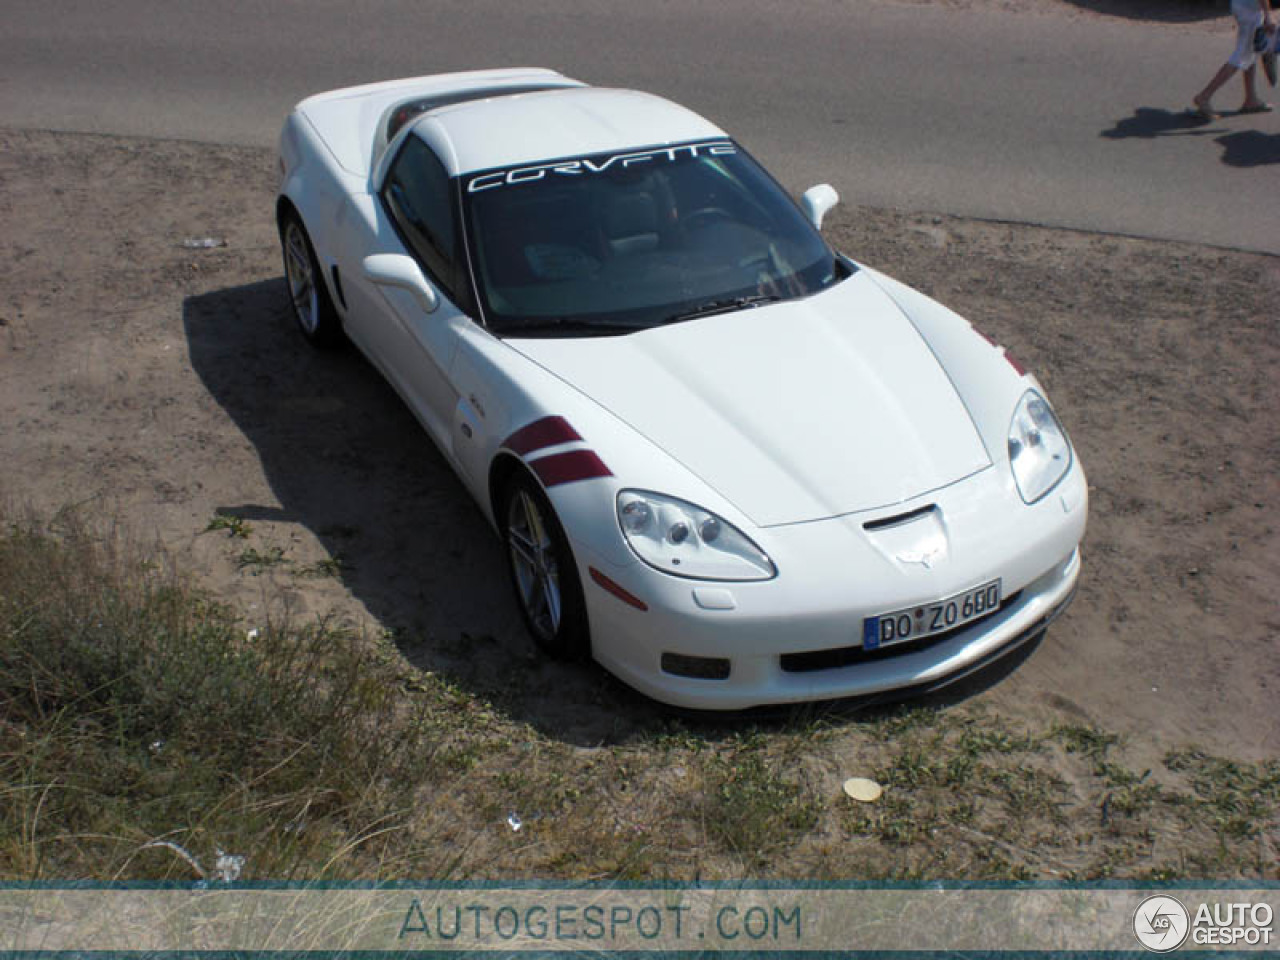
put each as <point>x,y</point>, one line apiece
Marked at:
<point>1161,923</point>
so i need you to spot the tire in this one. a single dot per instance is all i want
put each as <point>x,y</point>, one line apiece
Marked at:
<point>543,573</point>
<point>309,299</point>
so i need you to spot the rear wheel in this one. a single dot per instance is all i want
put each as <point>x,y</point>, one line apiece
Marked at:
<point>308,296</point>
<point>543,572</point>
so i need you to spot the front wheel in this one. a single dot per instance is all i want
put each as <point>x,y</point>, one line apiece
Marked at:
<point>543,572</point>
<point>308,295</point>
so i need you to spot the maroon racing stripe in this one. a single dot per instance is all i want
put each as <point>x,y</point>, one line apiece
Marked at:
<point>1013,362</point>
<point>547,432</point>
<point>569,467</point>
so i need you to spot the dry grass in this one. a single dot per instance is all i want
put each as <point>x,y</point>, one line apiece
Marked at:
<point>138,713</point>
<point>136,710</point>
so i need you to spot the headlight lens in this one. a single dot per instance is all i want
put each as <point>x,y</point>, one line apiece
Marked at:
<point>1039,452</point>
<point>676,537</point>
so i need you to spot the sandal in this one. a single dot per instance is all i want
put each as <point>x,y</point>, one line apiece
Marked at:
<point>1257,108</point>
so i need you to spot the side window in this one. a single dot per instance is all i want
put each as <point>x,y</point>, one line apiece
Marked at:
<point>418,194</point>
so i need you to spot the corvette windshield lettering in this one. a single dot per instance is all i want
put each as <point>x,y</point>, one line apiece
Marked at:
<point>597,164</point>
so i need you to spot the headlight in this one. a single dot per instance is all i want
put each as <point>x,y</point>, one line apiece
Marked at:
<point>676,537</point>
<point>1038,449</point>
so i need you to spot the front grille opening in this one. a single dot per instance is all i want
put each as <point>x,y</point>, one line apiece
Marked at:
<point>699,668</point>
<point>840,657</point>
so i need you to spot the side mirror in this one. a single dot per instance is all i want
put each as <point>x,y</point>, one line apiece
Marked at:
<point>817,201</point>
<point>397,270</point>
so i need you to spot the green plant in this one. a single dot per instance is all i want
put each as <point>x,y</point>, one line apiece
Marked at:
<point>235,526</point>
<point>752,809</point>
<point>328,567</point>
<point>258,560</point>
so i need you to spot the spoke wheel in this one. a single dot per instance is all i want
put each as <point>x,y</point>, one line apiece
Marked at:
<point>543,572</point>
<point>308,296</point>
<point>302,279</point>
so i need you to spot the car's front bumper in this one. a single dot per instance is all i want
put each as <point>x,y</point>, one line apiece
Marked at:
<point>798,638</point>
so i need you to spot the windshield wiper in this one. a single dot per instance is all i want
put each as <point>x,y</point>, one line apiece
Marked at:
<point>728,305</point>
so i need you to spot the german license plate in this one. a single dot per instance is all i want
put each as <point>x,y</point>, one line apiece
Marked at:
<point>925,620</point>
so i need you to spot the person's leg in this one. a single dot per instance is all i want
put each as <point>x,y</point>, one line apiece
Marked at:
<point>1269,55</point>
<point>1248,18</point>
<point>1203,98</point>
<point>1252,103</point>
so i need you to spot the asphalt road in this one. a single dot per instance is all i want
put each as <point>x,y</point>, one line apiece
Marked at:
<point>1019,117</point>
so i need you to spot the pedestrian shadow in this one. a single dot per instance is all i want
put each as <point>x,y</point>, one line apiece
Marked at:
<point>1250,148</point>
<point>1148,123</point>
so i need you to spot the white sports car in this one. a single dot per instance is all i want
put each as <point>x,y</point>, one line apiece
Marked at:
<point>730,464</point>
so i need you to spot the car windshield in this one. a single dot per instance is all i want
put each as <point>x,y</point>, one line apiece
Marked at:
<point>613,243</point>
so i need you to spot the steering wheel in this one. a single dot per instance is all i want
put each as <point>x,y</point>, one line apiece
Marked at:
<point>704,217</point>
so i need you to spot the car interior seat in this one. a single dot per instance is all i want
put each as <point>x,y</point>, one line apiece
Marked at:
<point>631,223</point>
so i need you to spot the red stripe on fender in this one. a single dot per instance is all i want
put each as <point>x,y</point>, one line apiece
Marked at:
<point>617,590</point>
<point>568,467</point>
<point>1019,368</point>
<point>547,432</point>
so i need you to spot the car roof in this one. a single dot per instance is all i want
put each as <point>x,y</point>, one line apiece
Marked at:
<point>352,121</point>
<point>555,124</point>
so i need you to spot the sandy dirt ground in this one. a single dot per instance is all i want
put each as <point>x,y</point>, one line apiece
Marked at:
<point>159,385</point>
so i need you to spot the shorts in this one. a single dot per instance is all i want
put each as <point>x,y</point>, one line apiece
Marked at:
<point>1248,14</point>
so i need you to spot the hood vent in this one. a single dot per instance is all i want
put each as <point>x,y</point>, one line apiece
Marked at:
<point>899,519</point>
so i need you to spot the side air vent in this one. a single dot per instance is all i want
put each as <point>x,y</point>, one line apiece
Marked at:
<point>337,286</point>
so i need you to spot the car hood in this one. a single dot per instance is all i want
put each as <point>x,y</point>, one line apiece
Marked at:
<point>794,411</point>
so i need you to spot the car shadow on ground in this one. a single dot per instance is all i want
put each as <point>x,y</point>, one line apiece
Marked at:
<point>346,460</point>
